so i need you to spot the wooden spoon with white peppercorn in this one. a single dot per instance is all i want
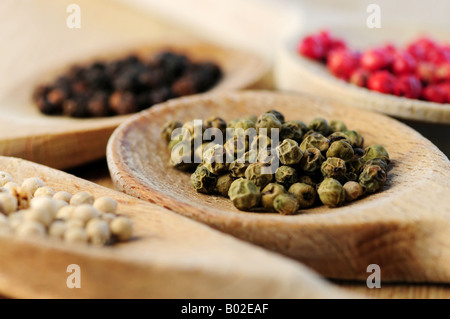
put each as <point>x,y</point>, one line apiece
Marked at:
<point>169,256</point>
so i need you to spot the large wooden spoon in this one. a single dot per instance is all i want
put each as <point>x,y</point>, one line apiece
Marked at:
<point>62,142</point>
<point>169,257</point>
<point>403,228</point>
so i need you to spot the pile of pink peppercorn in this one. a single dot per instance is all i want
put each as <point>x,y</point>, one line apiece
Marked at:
<point>420,70</point>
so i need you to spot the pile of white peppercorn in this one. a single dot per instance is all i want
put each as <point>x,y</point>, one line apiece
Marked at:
<point>35,210</point>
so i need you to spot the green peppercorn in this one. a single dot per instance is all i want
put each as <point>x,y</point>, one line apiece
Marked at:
<point>353,190</point>
<point>356,140</point>
<point>216,123</point>
<point>182,157</point>
<point>331,192</point>
<point>269,193</point>
<point>375,151</point>
<point>236,146</point>
<point>168,128</point>
<point>193,130</point>
<point>223,184</point>
<point>286,204</point>
<point>238,168</point>
<point>372,178</point>
<point>259,174</point>
<point>177,139</point>
<point>302,126</point>
<point>305,179</point>
<point>289,152</point>
<point>338,136</point>
<point>278,115</point>
<point>312,160</point>
<point>354,166</point>
<point>203,180</point>
<point>316,140</point>
<point>214,159</point>
<point>333,167</point>
<point>286,175</point>
<point>266,122</point>
<point>244,124</point>
<point>306,194</point>
<point>260,142</point>
<point>244,194</point>
<point>342,150</point>
<point>200,150</point>
<point>338,126</point>
<point>270,158</point>
<point>252,118</point>
<point>291,130</point>
<point>320,125</point>
<point>376,161</point>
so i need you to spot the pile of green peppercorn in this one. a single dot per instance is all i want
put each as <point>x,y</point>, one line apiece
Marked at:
<point>319,163</point>
<point>125,85</point>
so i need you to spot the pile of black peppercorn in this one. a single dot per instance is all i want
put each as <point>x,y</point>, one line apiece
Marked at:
<point>125,85</point>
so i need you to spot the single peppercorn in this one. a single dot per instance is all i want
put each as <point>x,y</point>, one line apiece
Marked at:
<point>353,190</point>
<point>278,115</point>
<point>305,194</point>
<point>289,152</point>
<point>331,192</point>
<point>291,130</point>
<point>203,180</point>
<point>168,128</point>
<point>244,194</point>
<point>223,184</point>
<point>376,161</point>
<point>305,179</point>
<point>259,174</point>
<point>342,150</point>
<point>355,139</point>
<point>375,151</point>
<point>214,159</point>
<point>286,175</point>
<point>372,178</point>
<point>286,204</point>
<point>238,168</point>
<point>268,124</point>
<point>321,126</point>
<point>269,193</point>
<point>316,140</point>
<point>333,167</point>
<point>311,161</point>
<point>338,126</point>
<point>338,136</point>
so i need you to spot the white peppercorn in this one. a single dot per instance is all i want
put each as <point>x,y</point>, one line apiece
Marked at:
<point>108,217</point>
<point>98,231</point>
<point>10,186</point>
<point>62,195</point>
<point>60,204</point>
<point>15,219</point>
<point>82,198</point>
<point>106,204</point>
<point>38,215</point>
<point>44,204</point>
<point>22,196</point>
<point>85,213</point>
<point>32,184</point>
<point>65,213</point>
<point>57,229</point>
<point>44,191</point>
<point>121,227</point>
<point>74,223</point>
<point>75,235</point>
<point>5,178</point>
<point>30,229</point>
<point>8,203</point>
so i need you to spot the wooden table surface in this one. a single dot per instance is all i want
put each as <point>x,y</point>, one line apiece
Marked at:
<point>34,36</point>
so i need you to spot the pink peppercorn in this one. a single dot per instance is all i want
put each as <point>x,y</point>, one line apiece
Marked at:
<point>359,77</point>
<point>342,63</point>
<point>376,59</point>
<point>434,93</point>
<point>404,63</point>
<point>382,81</point>
<point>408,86</point>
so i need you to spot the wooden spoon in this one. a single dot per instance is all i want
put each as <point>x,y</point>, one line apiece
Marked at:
<point>62,142</point>
<point>403,228</point>
<point>169,257</point>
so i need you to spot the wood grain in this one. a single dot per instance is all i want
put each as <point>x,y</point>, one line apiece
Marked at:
<point>402,228</point>
<point>169,257</point>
